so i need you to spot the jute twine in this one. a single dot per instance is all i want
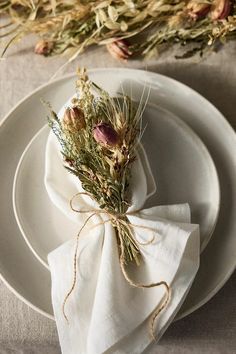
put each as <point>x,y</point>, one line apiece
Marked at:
<point>117,220</point>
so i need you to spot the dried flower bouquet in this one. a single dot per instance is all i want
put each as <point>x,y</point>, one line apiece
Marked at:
<point>98,136</point>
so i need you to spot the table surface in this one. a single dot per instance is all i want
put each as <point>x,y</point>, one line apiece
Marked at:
<point>212,328</point>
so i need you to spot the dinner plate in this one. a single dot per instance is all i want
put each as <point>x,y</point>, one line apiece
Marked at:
<point>182,166</point>
<point>22,271</point>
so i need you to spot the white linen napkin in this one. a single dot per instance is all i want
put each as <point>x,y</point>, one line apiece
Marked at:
<point>105,313</point>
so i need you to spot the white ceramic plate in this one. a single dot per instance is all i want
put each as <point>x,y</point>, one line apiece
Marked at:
<point>22,271</point>
<point>183,169</point>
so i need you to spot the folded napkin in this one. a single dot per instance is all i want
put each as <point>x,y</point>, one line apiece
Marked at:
<point>105,313</point>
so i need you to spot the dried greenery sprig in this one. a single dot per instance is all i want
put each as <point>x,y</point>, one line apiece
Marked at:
<point>73,25</point>
<point>98,136</point>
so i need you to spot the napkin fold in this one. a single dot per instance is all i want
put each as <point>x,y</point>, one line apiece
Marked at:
<point>106,314</point>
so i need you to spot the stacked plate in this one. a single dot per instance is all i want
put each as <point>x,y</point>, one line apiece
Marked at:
<point>190,147</point>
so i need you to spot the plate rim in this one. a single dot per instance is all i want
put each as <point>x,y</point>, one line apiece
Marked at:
<point>14,200</point>
<point>220,117</point>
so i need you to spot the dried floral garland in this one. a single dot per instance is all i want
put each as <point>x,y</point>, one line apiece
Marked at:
<point>126,27</point>
<point>98,135</point>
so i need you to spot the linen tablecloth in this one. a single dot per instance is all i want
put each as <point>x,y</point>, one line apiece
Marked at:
<point>210,329</point>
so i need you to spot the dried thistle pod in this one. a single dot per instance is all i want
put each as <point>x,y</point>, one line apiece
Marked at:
<point>120,49</point>
<point>43,47</point>
<point>196,10</point>
<point>220,9</point>
<point>73,119</point>
<point>105,134</point>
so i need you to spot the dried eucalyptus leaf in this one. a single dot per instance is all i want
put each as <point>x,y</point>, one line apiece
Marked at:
<point>113,13</point>
<point>112,25</point>
<point>123,26</point>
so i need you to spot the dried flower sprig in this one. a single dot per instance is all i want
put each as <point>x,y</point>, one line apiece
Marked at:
<point>73,25</point>
<point>98,136</point>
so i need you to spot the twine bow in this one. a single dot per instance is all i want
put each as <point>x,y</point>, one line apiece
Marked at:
<point>117,220</point>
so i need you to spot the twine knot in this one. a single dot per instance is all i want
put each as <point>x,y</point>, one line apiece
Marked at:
<point>119,219</point>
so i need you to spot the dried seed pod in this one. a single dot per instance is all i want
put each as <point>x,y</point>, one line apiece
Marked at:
<point>68,162</point>
<point>197,10</point>
<point>176,21</point>
<point>73,119</point>
<point>105,134</point>
<point>220,9</point>
<point>43,47</point>
<point>120,49</point>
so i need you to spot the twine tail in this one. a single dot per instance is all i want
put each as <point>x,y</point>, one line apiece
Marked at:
<point>74,267</point>
<point>158,310</point>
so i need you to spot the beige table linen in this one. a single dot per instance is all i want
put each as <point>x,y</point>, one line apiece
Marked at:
<point>211,329</point>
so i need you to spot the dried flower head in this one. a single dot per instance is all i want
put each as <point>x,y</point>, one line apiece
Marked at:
<point>220,9</point>
<point>73,119</point>
<point>43,47</point>
<point>196,10</point>
<point>177,21</point>
<point>105,134</point>
<point>120,49</point>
